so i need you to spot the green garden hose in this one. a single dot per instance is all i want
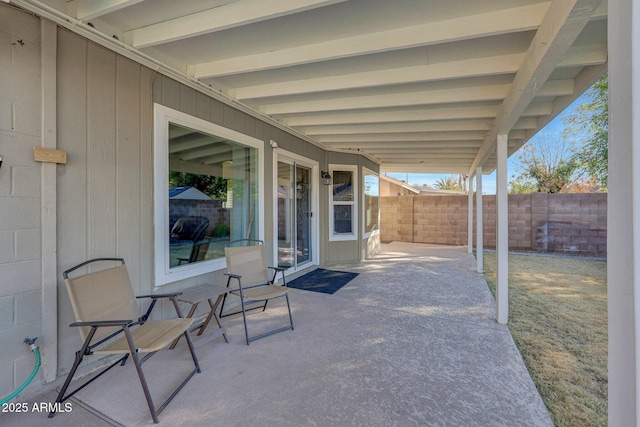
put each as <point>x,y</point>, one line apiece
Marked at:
<point>31,342</point>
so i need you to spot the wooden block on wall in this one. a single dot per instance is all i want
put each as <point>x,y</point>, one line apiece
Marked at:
<point>49,155</point>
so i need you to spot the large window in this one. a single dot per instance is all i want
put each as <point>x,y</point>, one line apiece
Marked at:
<point>343,203</point>
<point>207,193</point>
<point>371,210</point>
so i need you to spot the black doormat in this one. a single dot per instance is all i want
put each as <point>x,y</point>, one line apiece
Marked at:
<point>321,280</point>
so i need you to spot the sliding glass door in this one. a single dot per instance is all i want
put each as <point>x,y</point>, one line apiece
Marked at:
<point>295,216</point>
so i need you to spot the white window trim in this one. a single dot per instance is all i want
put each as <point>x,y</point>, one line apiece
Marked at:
<point>354,218</point>
<point>365,234</point>
<point>162,116</point>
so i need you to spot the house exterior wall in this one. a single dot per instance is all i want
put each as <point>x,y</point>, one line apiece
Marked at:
<point>569,223</point>
<point>105,206</point>
<point>172,94</point>
<point>369,245</point>
<point>104,192</point>
<point>388,188</point>
<point>346,251</point>
<point>106,126</point>
<point>20,194</point>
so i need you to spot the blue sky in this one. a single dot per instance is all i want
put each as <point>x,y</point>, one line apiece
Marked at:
<point>552,130</point>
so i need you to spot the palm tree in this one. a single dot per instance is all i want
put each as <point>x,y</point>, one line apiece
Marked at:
<point>449,183</point>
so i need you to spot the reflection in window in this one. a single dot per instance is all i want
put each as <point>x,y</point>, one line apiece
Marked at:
<point>342,186</point>
<point>212,194</point>
<point>371,201</point>
<point>342,215</point>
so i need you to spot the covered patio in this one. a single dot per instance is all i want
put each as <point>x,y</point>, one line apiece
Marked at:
<point>348,89</point>
<point>412,340</point>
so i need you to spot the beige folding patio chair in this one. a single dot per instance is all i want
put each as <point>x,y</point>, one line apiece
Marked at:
<point>247,268</point>
<point>109,322</point>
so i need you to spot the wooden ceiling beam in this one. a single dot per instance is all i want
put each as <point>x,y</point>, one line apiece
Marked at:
<point>501,21</point>
<point>230,15</point>
<point>561,26</point>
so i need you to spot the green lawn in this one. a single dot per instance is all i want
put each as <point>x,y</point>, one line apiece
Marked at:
<point>558,319</point>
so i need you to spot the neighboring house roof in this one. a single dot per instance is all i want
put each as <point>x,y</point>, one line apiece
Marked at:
<point>437,192</point>
<point>187,193</point>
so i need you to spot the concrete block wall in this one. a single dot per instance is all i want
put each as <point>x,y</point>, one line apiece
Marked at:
<point>568,223</point>
<point>577,223</point>
<point>20,189</point>
<point>441,220</point>
<point>391,219</point>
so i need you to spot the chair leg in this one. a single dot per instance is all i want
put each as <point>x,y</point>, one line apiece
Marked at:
<point>274,331</point>
<point>79,356</point>
<point>63,390</point>
<point>187,336</point>
<point>192,350</point>
<point>289,308</point>
<point>191,312</point>
<point>143,380</point>
<point>244,318</point>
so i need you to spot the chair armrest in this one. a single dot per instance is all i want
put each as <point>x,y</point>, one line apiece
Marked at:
<point>277,270</point>
<point>238,277</point>
<point>173,296</point>
<point>98,323</point>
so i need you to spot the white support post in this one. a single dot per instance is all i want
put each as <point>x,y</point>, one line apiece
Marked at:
<point>623,213</point>
<point>470,217</point>
<point>502,233</point>
<point>479,244</point>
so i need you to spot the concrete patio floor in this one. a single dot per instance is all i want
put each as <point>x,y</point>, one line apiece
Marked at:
<point>410,341</point>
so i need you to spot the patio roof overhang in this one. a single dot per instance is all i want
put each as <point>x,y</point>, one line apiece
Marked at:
<point>418,86</point>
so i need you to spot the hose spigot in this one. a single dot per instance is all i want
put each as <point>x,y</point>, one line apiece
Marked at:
<point>31,342</point>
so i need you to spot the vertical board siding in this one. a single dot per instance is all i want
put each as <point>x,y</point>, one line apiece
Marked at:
<point>170,93</point>
<point>229,117</point>
<point>101,155</point>
<point>146,233</point>
<point>72,180</point>
<point>188,101</point>
<point>203,107</point>
<point>128,170</point>
<point>217,112</point>
<point>105,189</point>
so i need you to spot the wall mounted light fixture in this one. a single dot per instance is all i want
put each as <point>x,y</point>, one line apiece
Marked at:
<point>1,159</point>
<point>326,178</point>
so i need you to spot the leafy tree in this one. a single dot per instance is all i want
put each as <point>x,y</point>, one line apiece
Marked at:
<point>213,186</point>
<point>522,185</point>
<point>586,185</point>
<point>421,187</point>
<point>546,167</point>
<point>589,124</point>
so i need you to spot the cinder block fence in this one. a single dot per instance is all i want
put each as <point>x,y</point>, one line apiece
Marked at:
<point>564,223</point>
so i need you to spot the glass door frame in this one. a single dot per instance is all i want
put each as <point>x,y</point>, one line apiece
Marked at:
<point>280,155</point>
